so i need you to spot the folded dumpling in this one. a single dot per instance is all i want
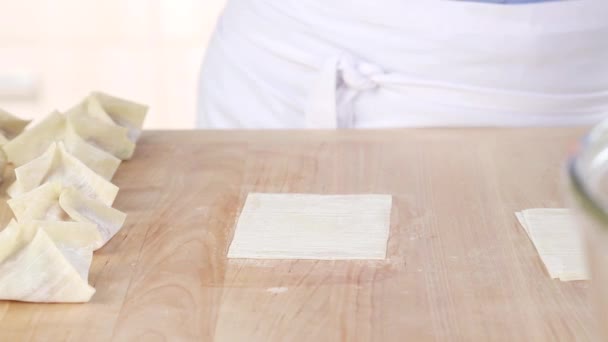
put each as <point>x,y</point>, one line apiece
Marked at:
<point>54,202</point>
<point>57,164</point>
<point>84,209</point>
<point>105,135</point>
<point>125,113</point>
<point>10,126</point>
<point>34,141</point>
<point>111,123</point>
<point>98,160</point>
<point>41,203</point>
<point>91,108</point>
<point>3,165</point>
<point>46,261</point>
<point>75,240</point>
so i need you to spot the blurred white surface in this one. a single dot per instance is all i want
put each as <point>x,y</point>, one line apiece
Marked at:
<point>146,50</point>
<point>19,85</point>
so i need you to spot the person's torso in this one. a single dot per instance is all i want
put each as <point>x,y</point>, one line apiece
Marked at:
<point>488,55</point>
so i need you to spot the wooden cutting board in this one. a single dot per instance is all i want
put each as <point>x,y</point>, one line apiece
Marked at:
<point>459,266</point>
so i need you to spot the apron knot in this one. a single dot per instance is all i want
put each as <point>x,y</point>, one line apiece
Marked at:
<point>358,75</point>
<point>341,79</point>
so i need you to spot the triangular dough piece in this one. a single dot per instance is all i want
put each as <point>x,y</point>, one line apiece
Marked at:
<point>33,142</point>
<point>34,267</point>
<point>10,126</point>
<point>123,112</point>
<point>104,135</point>
<point>56,164</point>
<point>98,160</point>
<point>52,201</point>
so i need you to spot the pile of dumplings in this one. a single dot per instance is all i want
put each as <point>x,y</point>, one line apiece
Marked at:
<point>62,196</point>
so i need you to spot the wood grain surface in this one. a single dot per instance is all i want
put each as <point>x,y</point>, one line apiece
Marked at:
<point>459,266</point>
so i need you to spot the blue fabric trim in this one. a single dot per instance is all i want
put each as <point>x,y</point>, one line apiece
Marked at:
<point>509,2</point>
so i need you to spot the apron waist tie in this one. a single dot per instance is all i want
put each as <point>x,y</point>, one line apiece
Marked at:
<point>340,81</point>
<point>344,78</point>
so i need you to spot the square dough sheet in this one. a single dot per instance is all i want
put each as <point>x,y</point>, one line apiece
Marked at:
<point>307,226</point>
<point>557,239</point>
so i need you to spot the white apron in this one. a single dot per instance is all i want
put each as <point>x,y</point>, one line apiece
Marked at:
<point>399,63</point>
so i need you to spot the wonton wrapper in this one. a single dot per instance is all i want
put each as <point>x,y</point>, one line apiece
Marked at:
<point>41,203</point>
<point>10,126</point>
<point>56,164</point>
<point>558,241</point>
<point>123,112</point>
<point>312,226</point>
<point>46,261</point>
<point>98,160</point>
<point>83,209</point>
<point>108,122</point>
<point>33,142</point>
<point>104,135</point>
<point>75,240</point>
<point>54,202</point>
<point>3,164</point>
<point>113,110</point>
